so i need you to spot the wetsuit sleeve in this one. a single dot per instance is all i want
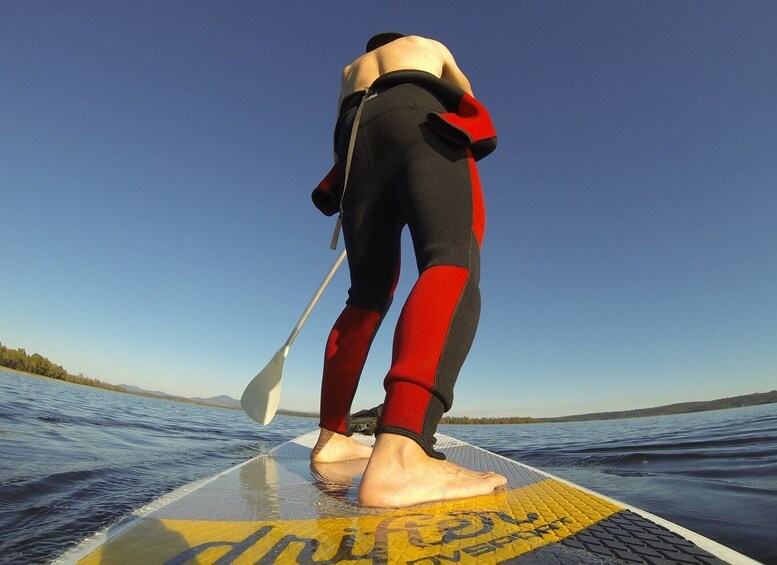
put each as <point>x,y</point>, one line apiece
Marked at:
<point>470,125</point>
<point>324,194</point>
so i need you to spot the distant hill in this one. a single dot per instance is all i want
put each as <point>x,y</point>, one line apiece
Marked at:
<point>137,389</point>
<point>221,400</point>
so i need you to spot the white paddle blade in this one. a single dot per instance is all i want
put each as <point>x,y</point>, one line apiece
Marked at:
<point>262,395</point>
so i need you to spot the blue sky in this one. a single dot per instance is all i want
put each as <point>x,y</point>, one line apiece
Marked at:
<point>156,162</point>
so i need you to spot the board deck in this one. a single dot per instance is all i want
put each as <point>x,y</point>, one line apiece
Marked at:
<point>277,508</point>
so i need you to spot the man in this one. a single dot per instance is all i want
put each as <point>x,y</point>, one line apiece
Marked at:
<point>407,136</point>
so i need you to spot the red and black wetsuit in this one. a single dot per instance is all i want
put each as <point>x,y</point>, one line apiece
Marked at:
<point>413,164</point>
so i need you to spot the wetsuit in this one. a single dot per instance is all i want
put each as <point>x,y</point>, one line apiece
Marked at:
<point>413,164</point>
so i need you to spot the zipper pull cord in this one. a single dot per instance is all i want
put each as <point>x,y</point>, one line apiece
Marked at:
<point>351,144</point>
<point>336,233</point>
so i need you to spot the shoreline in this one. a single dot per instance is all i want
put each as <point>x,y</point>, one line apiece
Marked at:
<point>122,390</point>
<point>171,398</point>
<point>742,401</point>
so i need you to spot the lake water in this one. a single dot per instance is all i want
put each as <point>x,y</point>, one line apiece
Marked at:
<point>74,459</point>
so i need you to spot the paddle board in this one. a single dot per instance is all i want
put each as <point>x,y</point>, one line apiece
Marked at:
<point>277,508</point>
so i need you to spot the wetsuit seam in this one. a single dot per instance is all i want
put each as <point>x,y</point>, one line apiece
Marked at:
<point>446,343</point>
<point>426,413</point>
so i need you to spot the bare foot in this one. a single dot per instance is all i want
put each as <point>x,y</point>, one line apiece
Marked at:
<point>400,473</point>
<point>332,447</point>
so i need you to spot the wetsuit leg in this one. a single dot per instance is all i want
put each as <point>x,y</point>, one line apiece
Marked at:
<point>444,209</point>
<point>372,233</point>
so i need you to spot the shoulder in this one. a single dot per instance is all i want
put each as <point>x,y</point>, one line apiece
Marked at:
<point>351,66</point>
<point>427,42</point>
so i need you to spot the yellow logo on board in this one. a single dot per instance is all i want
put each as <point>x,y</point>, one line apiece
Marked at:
<point>476,530</point>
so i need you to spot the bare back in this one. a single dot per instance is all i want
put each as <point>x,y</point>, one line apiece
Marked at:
<point>406,53</point>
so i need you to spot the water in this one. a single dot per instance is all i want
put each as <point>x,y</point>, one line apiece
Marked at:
<point>74,459</point>
<point>712,472</point>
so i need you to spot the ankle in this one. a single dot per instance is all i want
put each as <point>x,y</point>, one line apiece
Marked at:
<point>398,448</point>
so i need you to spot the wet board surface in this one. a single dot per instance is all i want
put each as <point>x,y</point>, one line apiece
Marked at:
<point>276,508</point>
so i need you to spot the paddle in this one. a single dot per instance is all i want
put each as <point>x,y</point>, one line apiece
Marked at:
<point>261,396</point>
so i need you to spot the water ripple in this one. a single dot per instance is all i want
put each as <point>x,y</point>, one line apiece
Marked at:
<point>75,459</point>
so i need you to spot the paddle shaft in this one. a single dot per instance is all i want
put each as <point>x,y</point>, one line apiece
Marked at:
<point>314,300</point>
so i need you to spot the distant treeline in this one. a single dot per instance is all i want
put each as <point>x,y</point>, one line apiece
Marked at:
<point>668,410</point>
<point>19,360</point>
<point>296,414</point>
<point>504,420</point>
<point>679,408</point>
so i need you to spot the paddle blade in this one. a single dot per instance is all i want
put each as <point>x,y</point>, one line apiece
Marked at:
<point>262,395</point>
